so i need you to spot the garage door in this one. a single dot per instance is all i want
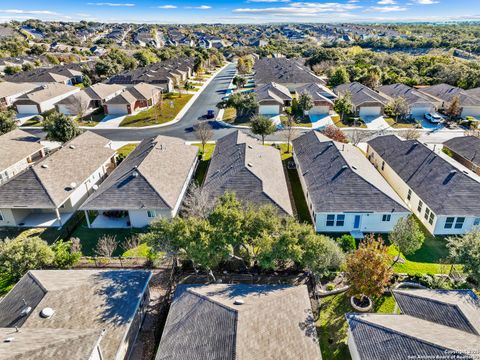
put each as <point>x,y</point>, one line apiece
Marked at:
<point>117,109</point>
<point>269,109</point>
<point>420,111</point>
<point>27,109</point>
<point>319,110</point>
<point>370,111</point>
<point>471,111</point>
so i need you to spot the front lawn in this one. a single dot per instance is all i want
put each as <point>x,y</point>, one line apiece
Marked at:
<point>332,325</point>
<point>91,119</point>
<point>32,122</point>
<point>348,122</point>
<point>401,124</point>
<point>230,116</point>
<point>171,106</point>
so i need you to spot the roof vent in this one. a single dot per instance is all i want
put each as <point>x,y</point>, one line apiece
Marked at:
<point>452,172</point>
<point>73,185</point>
<point>354,168</point>
<point>250,165</point>
<point>47,313</point>
<point>238,302</point>
<point>250,146</point>
<point>465,172</point>
<point>72,146</point>
<point>45,166</point>
<point>345,167</point>
<point>8,340</point>
<point>135,174</point>
<point>26,311</point>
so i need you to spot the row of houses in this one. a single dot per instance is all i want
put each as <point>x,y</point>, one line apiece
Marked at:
<point>421,100</point>
<point>346,190</point>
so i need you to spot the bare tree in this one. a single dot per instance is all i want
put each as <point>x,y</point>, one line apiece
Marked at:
<point>76,245</point>
<point>203,132</point>
<point>290,133</point>
<point>106,245</point>
<point>411,134</point>
<point>79,104</point>
<point>197,203</point>
<point>131,243</point>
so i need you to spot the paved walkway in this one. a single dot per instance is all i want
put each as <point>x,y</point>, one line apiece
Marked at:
<point>376,123</point>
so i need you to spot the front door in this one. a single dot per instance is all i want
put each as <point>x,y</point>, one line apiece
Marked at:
<point>356,222</point>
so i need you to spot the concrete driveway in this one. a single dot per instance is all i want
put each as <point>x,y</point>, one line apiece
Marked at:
<point>427,124</point>
<point>375,122</point>
<point>110,122</point>
<point>321,121</point>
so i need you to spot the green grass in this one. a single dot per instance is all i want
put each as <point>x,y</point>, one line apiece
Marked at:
<point>401,124</point>
<point>89,237</point>
<point>125,150</point>
<point>50,235</point>
<point>204,162</point>
<point>141,250</point>
<point>348,122</point>
<point>166,114</point>
<point>6,283</point>
<point>332,326</point>
<point>91,120</point>
<point>32,122</point>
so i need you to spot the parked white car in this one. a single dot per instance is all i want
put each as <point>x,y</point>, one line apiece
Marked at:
<point>434,118</point>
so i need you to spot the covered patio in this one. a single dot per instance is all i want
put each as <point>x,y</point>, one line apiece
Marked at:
<point>103,221</point>
<point>45,219</point>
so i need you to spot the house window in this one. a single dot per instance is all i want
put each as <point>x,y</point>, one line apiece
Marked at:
<point>431,218</point>
<point>386,217</point>
<point>409,195</point>
<point>449,222</point>
<point>330,220</point>
<point>459,222</point>
<point>1,216</point>
<point>340,220</point>
<point>476,222</point>
<point>420,206</point>
<point>427,213</point>
<point>151,213</point>
<point>383,165</point>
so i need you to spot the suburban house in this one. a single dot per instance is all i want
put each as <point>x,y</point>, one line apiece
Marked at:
<point>239,322</point>
<point>73,314</point>
<point>19,150</point>
<point>440,194</point>
<point>43,98</point>
<point>9,92</point>
<point>272,99</point>
<point>465,150</point>
<point>150,183</point>
<point>48,193</point>
<point>433,324</point>
<point>134,99</point>
<point>344,192</point>
<point>323,98</point>
<point>254,172</point>
<point>100,93</point>
<point>366,102</point>
<point>290,73</point>
<point>444,94</point>
<point>419,103</point>
<point>57,74</point>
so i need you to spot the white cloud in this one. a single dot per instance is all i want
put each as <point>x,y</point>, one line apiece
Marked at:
<point>201,7</point>
<point>384,9</point>
<point>426,2</point>
<point>166,7</point>
<point>268,1</point>
<point>386,2</point>
<point>29,12</point>
<point>301,9</point>
<point>111,4</point>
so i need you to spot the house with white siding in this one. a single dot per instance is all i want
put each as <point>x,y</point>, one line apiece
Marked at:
<point>48,193</point>
<point>43,98</point>
<point>9,92</point>
<point>344,192</point>
<point>149,184</point>
<point>444,95</point>
<point>444,197</point>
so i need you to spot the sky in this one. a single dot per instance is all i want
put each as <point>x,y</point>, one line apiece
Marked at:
<point>241,11</point>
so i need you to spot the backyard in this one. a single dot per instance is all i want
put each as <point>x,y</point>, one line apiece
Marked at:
<point>170,107</point>
<point>204,162</point>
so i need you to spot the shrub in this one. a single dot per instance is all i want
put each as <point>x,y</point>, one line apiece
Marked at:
<point>347,243</point>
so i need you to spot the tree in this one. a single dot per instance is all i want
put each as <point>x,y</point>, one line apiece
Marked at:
<point>245,104</point>
<point>239,81</point>
<point>106,245</point>
<point>466,250</point>
<point>289,132</point>
<point>11,69</point>
<point>87,82</point>
<point>145,57</point>
<point>263,126</point>
<point>373,78</point>
<point>8,121</point>
<point>245,65</point>
<point>347,242</point>
<point>343,105</point>
<point>19,255</point>
<point>188,86</point>
<point>340,76</point>
<point>66,254</point>
<point>398,108</point>
<point>368,268</point>
<point>321,253</point>
<point>197,203</point>
<point>406,236</point>
<point>60,127</point>
<point>454,109</point>
<point>411,134</point>
<point>335,134</point>
<point>79,104</point>
<point>305,102</point>
<point>203,132</point>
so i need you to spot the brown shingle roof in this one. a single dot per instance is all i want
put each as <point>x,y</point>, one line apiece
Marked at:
<point>15,146</point>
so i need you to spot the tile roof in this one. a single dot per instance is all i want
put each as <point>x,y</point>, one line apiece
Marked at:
<point>47,184</point>
<point>274,322</point>
<point>340,178</point>
<point>17,145</point>
<point>151,177</point>
<point>443,187</point>
<point>447,92</point>
<point>283,71</point>
<point>361,94</point>
<point>254,172</point>
<point>411,95</point>
<point>467,147</point>
<point>47,92</point>
<point>273,91</point>
<point>85,302</point>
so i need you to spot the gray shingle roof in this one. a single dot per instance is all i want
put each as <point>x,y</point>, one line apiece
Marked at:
<point>254,172</point>
<point>318,92</point>
<point>340,178</point>
<point>444,188</point>
<point>84,301</point>
<point>466,146</point>
<point>101,91</point>
<point>447,92</point>
<point>273,91</point>
<point>275,322</point>
<point>361,94</point>
<point>411,95</point>
<point>459,309</point>
<point>15,146</point>
<point>58,73</point>
<point>283,71</point>
<point>161,165</point>
<point>47,184</point>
